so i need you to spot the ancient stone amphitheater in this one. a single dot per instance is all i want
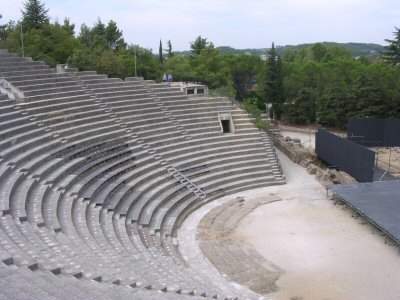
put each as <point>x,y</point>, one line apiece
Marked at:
<point>97,175</point>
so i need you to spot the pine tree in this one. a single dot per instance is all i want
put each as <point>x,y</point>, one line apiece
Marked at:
<point>68,26</point>
<point>98,35</point>
<point>392,51</point>
<point>34,14</point>
<point>199,45</point>
<point>273,88</point>
<point>114,36</point>
<point>371,98</point>
<point>160,53</point>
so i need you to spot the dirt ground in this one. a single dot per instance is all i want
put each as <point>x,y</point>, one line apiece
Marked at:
<point>324,253</point>
<point>307,139</point>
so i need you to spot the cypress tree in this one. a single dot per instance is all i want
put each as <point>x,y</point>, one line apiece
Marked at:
<point>170,53</point>
<point>273,87</point>
<point>34,14</point>
<point>160,53</point>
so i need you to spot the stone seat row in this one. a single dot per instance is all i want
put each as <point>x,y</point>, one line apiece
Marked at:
<point>110,202</point>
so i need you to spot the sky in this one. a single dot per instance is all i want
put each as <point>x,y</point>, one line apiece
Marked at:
<point>236,23</point>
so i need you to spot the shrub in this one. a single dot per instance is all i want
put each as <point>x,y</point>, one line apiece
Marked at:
<point>251,105</point>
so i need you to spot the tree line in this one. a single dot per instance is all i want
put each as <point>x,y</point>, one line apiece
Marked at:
<point>326,85</point>
<point>317,84</point>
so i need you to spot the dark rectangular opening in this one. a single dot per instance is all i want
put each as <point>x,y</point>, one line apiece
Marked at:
<point>190,91</point>
<point>226,126</point>
<point>200,91</point>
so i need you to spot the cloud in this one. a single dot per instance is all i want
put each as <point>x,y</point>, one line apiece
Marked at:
<point>242,24</point>
<point>11,10</point>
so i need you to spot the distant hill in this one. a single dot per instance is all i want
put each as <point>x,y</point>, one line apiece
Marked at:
<point>356,49</point>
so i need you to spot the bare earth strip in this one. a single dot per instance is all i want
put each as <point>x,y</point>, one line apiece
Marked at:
<point>189,245</point>
<point>237,260</point>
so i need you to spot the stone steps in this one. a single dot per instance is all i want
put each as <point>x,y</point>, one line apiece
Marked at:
<point>85,193</point>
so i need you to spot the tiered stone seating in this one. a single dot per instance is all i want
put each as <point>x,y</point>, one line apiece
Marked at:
<point>90,198</point>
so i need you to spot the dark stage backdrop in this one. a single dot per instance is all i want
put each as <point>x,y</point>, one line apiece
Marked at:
<point>345,155</point>
<point>372,132</point>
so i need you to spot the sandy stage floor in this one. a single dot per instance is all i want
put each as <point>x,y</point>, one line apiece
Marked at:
<point>324,253</point>
<point>386,155</point>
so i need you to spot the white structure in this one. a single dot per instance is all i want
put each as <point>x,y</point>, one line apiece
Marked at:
<point>191,88</point>
<point>10,90</point>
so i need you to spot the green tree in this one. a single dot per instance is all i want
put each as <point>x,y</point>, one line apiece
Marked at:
<point>243,71</point>
<point>301,108</point>
<point>102,37</point>
<point>85,36</point>
<point>84,59</point>
<point>113,36</point>
<point>98,36</point>
<point>170,53</point>
<point>319,51</point>
<point>392,51</point>
<point>210,68</point>
<point>371,95</point>
<point>68,27</point>
<point>199,45</point>
<point>273,86</point>
<point>52,43</point>
<point>34,15</point>
<point>180,67</point>
<point>3,31</point>
<point>148,65</point>
<point>94,37</point>
<point>160,53</point>
<point>336,105</point>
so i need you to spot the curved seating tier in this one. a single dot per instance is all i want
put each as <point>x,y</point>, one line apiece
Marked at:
<point>97,174</point>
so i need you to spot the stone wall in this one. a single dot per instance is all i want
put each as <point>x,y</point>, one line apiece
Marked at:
<point>293,149</point>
